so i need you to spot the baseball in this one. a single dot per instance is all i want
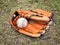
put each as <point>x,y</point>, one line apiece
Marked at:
<point>22,22</point>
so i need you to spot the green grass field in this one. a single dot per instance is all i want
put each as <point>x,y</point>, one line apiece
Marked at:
<point>8,36</point>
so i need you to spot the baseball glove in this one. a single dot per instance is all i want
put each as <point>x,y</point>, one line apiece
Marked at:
<point>38,21</point>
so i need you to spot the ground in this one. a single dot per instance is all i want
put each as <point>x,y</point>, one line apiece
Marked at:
<point>8,36</point>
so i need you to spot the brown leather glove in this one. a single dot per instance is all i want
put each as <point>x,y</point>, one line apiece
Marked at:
<point>38,22</point>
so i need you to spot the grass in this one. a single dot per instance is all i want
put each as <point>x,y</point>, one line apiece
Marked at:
<point>8,36</point>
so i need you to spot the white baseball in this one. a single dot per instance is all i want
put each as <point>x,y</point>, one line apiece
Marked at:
<point>22,22</point>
